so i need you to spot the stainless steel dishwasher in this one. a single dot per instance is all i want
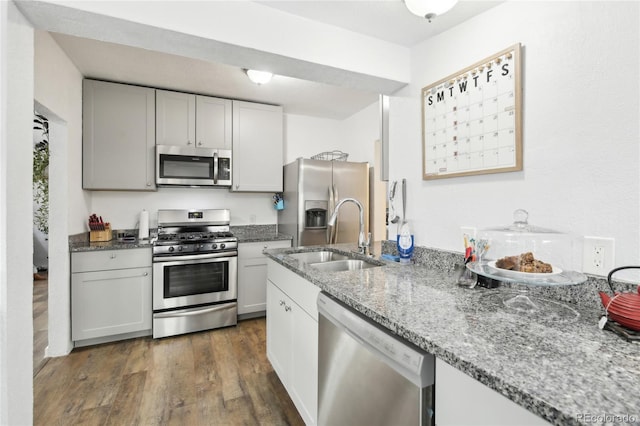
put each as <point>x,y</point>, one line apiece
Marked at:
<point>367,375</point>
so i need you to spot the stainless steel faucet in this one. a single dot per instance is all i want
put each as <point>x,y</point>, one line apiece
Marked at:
<point>363,242</point>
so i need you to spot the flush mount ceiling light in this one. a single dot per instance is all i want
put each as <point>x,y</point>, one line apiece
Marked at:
<point>429,9</point>
<point>258,77</point>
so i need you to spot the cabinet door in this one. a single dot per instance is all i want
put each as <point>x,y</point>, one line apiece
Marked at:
<point>304,365</point>
<point>257,147</point>
<point>252,275</point>
<point>118,136</point>
<point>107,303</point>
<point>213,122</point>
<point>483,405</point>
<point>175,118</point>
<point>279,332</point>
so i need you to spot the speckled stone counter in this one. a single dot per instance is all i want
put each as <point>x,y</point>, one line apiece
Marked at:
<point>558,368</point>
<point>245,234</point>
<point>80,242</point>
<point>257,233</point>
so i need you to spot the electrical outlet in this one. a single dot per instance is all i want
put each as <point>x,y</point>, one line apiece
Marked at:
<point>599,255</point>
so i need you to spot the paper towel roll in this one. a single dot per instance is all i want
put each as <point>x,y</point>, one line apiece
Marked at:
<point>143,228</point>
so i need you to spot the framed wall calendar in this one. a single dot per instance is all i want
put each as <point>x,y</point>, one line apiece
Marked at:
<point>472,120</point>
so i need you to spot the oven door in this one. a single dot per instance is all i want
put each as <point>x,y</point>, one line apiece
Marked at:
<point>182,281</point>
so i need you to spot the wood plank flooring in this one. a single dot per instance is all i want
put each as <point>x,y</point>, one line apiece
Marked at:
<point>217,377</point>
<point>40,321</point>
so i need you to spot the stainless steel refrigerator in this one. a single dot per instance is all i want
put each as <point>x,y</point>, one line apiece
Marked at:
<point>312,188</point>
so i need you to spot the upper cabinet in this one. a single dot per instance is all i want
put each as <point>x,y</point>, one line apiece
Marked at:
<point>118,136</point>
<point>257,147</point>
<point>192,120</point>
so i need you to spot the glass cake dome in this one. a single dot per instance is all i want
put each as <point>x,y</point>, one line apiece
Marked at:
<point>528,254</point>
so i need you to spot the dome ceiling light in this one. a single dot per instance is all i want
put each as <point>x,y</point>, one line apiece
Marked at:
<point>258,77</point>
<point>429,9</point>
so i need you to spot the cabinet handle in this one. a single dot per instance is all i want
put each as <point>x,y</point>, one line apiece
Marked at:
<point>237,185</point>
<point>281,302</point>
<point>145,274</point>
<point>188,142</point>
<point>148,183</point>
<point>200,143</point>
<point>112,256</point>
<point>287,308</point>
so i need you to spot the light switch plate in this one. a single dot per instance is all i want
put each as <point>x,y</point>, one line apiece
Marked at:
<point>599,255</point>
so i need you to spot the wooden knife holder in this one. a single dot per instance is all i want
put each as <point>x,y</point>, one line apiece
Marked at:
<point>101,236</point>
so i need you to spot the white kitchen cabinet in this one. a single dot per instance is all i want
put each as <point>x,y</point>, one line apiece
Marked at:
<point>252,275</point>
<point>110,295</point>
<point>257,147</point>
<point>193,120</point>
<point>118,136</point>
<point>482,405</point>
<point>292,337</point>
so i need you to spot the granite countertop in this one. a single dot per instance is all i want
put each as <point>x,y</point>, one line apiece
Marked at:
<point>258,233</point>
<point>245,234</point>
<point>555,367</point>
<point>79,245</point>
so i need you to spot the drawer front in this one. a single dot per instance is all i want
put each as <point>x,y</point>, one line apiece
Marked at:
<point>254,250</point>
<point>104,260</point>
<point>298,289</point>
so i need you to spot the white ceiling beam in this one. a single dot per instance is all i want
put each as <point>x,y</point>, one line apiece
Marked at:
<point>240,33</point>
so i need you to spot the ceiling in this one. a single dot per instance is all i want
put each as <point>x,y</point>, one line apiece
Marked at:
<point>382,19</point>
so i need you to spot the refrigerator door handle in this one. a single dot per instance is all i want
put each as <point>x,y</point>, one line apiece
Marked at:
<point>336,199</point>
<point>331,206</point>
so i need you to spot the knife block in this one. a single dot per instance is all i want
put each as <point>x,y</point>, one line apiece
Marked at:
<point>101,236</point>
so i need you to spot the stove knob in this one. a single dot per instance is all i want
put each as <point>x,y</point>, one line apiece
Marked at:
<point>171,249</point>
<point>223,245</point>
<point>179,248</point>
<point>201,246</point>
<point>214,246</point>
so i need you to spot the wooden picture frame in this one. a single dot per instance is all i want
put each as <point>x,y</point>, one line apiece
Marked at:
<point>472,120</point>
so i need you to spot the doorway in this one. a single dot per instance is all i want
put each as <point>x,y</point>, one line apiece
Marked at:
<point>40,238</point>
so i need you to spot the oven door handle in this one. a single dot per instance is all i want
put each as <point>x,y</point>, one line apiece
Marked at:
<point>177,260</point>
<point>190,312</point>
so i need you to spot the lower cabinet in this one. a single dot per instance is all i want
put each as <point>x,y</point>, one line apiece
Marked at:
<point>292,337</point>
<point>110,295</point>
<point>252,275</point>
<point>482,405</point>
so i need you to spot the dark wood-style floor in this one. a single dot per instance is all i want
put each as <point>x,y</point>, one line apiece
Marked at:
<point>40,321</point>
<point>218,377</point>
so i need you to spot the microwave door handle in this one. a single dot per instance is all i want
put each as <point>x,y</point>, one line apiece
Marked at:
<point>215,168</point>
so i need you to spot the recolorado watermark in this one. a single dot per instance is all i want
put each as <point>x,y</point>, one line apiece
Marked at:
<point>608,418</point>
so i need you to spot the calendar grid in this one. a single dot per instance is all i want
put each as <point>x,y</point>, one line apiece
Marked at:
<point>471,120</point>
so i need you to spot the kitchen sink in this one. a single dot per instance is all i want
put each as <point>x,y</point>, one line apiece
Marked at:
<point>344,265</point>
<point>318,256</point>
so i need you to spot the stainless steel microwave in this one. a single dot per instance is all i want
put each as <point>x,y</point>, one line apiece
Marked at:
<point>187,166</point>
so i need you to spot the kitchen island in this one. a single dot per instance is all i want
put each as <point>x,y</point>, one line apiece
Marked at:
<point>564,371</point>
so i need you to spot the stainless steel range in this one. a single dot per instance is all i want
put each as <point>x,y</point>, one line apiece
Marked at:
<point>195,272</point>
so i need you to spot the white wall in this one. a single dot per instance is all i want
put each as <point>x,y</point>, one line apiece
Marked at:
<point>58,94</point>
<point>122,208</point>
<point>359,133</point>
<point>305,136</point>
<point>16,279</point>
<point>580,109</point>
<point>58,87</point>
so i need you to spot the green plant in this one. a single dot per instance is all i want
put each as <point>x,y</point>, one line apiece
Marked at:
<point>40,175</point>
